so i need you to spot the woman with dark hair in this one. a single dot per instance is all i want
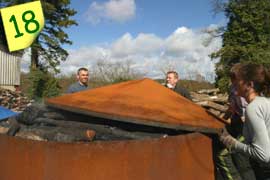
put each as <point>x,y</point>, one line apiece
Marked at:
<point>253,83</point>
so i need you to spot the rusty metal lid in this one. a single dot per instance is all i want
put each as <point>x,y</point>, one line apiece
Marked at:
<point>141,102</point>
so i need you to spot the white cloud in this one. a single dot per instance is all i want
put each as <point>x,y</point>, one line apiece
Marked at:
<point>26,60</point>
<point>143,44</point>
<point>184,49</point>
<point>113,10</point>
<point>84,57</point>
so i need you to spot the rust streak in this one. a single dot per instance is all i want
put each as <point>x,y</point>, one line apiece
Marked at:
<point>174,158</point>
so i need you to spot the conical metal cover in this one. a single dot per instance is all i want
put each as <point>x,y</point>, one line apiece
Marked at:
<point>142,102</point>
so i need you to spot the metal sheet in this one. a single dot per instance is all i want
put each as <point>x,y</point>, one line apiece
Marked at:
<point>180,157</point>
<point>140,101</point>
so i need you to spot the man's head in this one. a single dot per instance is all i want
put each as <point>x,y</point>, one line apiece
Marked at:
<point>82,76</point>
<point>171,79</point>
<point>233,72</point>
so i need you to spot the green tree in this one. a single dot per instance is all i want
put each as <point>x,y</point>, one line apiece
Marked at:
<point>47,51</point>
<point>43,84</point>
<point>246,38</point>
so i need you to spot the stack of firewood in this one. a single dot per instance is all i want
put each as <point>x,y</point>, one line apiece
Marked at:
<point>38,122</point>
<point>215,102</point>
<point>13,100</point>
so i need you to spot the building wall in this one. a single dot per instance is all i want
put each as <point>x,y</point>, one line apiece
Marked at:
<point>9,68</point>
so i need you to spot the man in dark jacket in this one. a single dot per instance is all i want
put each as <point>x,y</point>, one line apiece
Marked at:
<point>172,82</point>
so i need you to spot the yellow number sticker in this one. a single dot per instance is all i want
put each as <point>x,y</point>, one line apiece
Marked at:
<point>22,24</point>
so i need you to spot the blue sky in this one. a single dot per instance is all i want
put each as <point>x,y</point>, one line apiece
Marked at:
<point>155,35</point>
<point>151,16</point>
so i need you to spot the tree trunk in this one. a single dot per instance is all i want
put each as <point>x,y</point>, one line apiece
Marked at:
<point>34,59</point>
<point>34,55</point>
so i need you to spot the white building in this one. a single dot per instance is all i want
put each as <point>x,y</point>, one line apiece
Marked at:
<point>9,68</point>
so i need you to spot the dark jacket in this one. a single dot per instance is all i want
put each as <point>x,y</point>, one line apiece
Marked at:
<point>181,91</point>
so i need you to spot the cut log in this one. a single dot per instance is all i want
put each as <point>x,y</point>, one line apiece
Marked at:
<point>213,105</point>
<point>30,135</point>
<point>58,134</point>
<point>103,132</point>
<point>3,130</point>
<point>53,115</point>
<point>219,118</point>
<point>14,126</point>
<point>213,111</point>
<point>209,91</point>
<point>221,99</point>
<point>31,113</point>
<point>199,97</point>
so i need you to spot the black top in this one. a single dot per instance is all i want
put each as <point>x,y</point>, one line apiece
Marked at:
<point>181,90</point>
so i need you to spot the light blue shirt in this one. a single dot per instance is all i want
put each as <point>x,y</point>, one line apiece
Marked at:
<point>76,87</point>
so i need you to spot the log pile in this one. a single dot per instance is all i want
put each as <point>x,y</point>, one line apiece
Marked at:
<point>212,100</point>
<point>14,100</point>
<point>41,123</point>
<point>38,122</point>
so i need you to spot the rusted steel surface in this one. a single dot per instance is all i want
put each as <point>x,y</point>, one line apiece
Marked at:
<point>140,101</point>
<point>180,157</point>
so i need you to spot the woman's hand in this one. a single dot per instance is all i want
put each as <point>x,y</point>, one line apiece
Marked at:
<point>227,139</point>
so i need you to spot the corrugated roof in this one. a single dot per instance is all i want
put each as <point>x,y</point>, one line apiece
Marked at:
<point>142,102</point>
<point>10,72</point>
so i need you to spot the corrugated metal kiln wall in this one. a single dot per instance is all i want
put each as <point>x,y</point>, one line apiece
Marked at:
<point>9,68</point>
<point>180,157</point>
